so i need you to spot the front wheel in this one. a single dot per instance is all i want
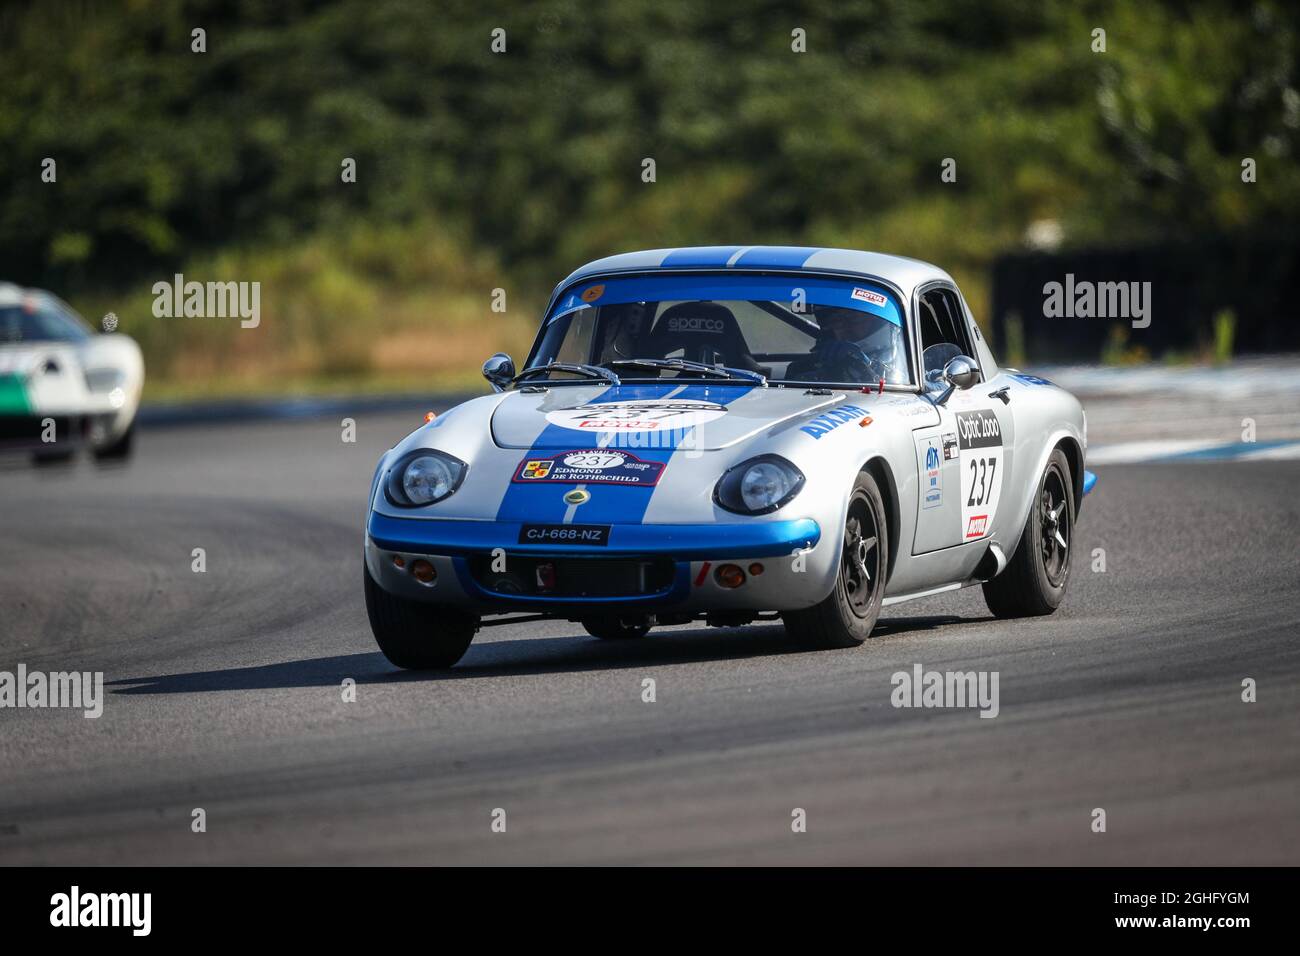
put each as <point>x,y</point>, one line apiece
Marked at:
<point>415,635</point>
<point>119,450</point>
<point>1033,582</point>
<point>846,617</point>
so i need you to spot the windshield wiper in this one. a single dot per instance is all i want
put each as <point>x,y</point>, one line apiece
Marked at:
<point>684,365</point>
<point>591,371</point>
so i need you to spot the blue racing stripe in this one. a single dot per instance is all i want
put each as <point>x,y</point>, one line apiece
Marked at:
<point>704,257</point>
<point>543,502</point>
<point>619,505</point>
<point>777,257</point>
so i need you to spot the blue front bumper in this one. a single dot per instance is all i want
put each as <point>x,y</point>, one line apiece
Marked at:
<point>683,542</point>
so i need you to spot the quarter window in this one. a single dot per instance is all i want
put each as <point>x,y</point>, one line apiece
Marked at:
<point>941,323</point>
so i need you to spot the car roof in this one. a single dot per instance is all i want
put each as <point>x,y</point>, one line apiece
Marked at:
<point>904,273</point>
<point>11,294</point>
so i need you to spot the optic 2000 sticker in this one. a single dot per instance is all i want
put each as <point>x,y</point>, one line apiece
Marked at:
<point>979,439</point>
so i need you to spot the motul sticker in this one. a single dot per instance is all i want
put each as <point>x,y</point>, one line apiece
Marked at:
<point>866,295</point>
<point>591,466</point>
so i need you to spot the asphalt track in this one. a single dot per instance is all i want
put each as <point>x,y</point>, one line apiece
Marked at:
<point>224,691</point>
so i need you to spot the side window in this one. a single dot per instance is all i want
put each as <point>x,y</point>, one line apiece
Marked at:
<point>567,339</point>
<point>577,344</point>
<point>942,327</point>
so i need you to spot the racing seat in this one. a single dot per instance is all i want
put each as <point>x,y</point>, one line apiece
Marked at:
<point>703,332</point>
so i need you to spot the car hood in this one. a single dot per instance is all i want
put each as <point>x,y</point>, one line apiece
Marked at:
<point>26,358</point>
<point>706,417</point>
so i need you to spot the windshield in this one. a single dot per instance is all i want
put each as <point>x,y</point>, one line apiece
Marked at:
<point>797,329</point>
<point>38,319</point>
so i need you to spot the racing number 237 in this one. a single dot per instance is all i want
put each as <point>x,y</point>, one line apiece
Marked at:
<point>982,473</point>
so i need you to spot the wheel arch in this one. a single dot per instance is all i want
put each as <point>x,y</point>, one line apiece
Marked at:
<point>883,475</point>
<point>1074,455</point>
<point>1073,451</point>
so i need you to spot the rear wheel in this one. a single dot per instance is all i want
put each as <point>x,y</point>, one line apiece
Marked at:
<point>1033,582</point>
<point>415,635</point>
<point>613,628</point>
<point>846,617</point>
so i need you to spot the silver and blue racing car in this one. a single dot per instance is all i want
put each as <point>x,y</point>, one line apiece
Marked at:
<point>729,434</point>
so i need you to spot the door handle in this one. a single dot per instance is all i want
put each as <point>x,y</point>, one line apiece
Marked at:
<point>1002,393</point>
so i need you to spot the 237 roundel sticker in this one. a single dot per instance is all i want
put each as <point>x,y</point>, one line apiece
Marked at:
<point>592,466</point>
<point>637,416</point>
<point>979,442</point>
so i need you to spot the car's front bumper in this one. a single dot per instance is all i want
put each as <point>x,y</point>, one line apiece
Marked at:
<point>55,432</point>
<point>684,560</point>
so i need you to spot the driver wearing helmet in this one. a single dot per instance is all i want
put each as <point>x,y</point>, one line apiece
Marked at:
<point>628,323</point>
<point>852,346</point>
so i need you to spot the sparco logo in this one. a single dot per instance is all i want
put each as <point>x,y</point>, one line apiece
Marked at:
<point>688,324</point>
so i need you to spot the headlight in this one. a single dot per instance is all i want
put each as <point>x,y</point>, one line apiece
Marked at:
<point>759,485</point>
<point>423,477</point>
<point>104,379</point>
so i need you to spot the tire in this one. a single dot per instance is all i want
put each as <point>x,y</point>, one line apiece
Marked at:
<point>614,628</point>
<point>1033,582</point>
<point>848,614</point>
<point>415,635</point>
<point>52,458</point>
<point>121,449</point>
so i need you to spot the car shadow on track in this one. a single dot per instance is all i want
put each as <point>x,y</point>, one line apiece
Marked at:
<point>513,657</point>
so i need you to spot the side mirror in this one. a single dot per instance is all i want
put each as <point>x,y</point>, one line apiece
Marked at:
<point>960,372</point>
<point>499,370</point>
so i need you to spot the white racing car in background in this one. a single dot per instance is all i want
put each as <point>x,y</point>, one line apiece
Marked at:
<point>63,386</point>
<point>729,434</point>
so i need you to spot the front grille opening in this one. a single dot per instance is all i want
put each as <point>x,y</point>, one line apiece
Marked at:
<point>28,429</point>
<point>534,576</point>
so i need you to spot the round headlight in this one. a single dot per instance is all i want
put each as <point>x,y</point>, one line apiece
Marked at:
<point>759,485</point>
<point>763,485</point>
<point>424,477</point>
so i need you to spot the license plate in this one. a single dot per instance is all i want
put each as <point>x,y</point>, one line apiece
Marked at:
<point>568,534</point>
